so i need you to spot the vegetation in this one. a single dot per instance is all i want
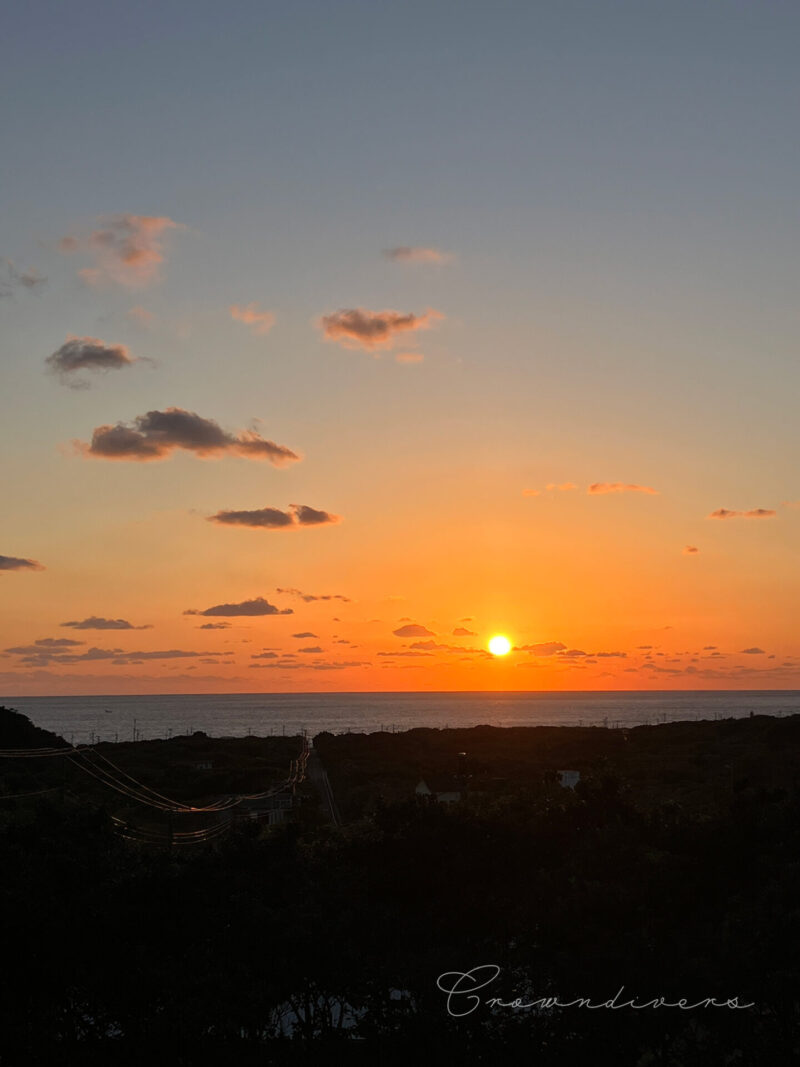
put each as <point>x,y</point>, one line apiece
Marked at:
<point>304,943</point>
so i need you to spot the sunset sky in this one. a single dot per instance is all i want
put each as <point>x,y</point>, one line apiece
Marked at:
<point>341,337</point>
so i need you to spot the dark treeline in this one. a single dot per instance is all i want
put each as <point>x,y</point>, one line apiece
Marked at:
<point>308,944</point>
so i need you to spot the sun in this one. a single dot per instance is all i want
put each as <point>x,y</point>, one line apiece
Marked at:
<point>499,645</point>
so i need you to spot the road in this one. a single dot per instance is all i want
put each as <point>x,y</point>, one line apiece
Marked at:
<point>319,777</point>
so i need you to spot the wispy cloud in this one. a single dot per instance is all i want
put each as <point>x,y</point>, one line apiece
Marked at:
<point>126,249</point>
<point>12,278</point>
<point>418,254</point>
<point>551,487</point>
<point>140,316</point>
<point>754,513</point>
<point>690,550</point>
<point>601,488</point>
<point>158,434</point>
<point>256,607</point>
<point>275,519</point>
<point>17,563</point>
<point>373,330</point>
<point>309,598</point>
<point>259,320</point>
<point>86,354</point>
<point>544,648</point>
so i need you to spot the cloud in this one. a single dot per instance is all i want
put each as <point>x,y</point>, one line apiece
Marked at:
<point>545,648</point>
<point>409,357</point>
<point>274,519</point>
<point>58,642</point>
<point>752,651</point>
<point>462,631</point>
<point>413,629</point>
<point>306,516</point>
<point>418,254</point>
<point>264,655</point>
<point>551,487</point>
<point>11,278</point>
<point>308,598</point>
<point>44,647</point>
<point>264,518</point>
<point>41,655</point>
<point>573,653</point>
<point>140,316</point>
<point>126,249</point>
<point>251,315</point>
<point>600,488</point>
<point>158,434</point>
<point>311,648</point>
<point>87,353</point>
<point>754,513</point>
<point>372,330</point>
<point>257,606</point>
<point>435,646</point>
<point>15,563</point>
<point>215,626</point>
<point>95,622</point>
<point>794,504</point>
<point>304,633</point>
<point>690,550</point>
<point>410,652</point>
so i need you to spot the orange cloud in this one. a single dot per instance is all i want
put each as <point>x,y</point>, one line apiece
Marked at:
<point>599,488</point>
<point>372,330</point>
<point>250,314</point>
<point>159,433</point>
<point>417,254</point>
<point>140,317</point>
<point>409,357</point>
<point>690,550</point>
<point>127,249</point>
<point>754,513</point>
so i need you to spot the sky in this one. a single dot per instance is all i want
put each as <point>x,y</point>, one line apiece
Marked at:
<point>339,338</point>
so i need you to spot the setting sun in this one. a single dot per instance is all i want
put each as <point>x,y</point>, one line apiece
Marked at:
<point>499,645</point>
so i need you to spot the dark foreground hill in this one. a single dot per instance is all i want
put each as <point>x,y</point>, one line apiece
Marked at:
<point>305,943</point>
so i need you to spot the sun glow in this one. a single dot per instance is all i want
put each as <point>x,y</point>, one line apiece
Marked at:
<point>499,645</point>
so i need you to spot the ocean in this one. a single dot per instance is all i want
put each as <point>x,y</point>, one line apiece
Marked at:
<point>84,720</point>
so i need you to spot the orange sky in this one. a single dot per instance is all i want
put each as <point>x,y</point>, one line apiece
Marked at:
<point>448,330</point>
